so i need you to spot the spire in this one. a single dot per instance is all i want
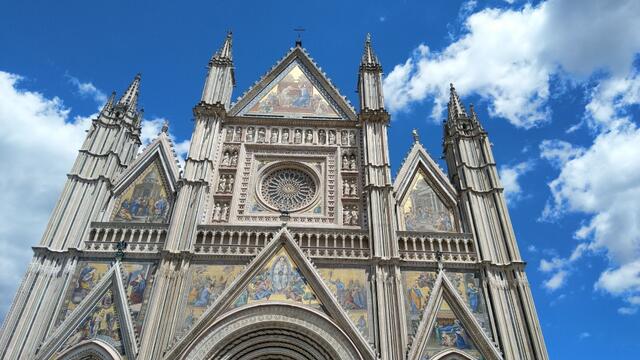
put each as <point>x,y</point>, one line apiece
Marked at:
<point>220,77</point>
<point>369,57</point>
<point>456,109</point>
<point>130,97</point>
<point>109,105</point>
<point>224,55</point>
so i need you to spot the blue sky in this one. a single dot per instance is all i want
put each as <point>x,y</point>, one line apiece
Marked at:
<point>555,83</point>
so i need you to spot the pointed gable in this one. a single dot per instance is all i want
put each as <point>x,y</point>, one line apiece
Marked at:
<point>448,327</point>
<point>279,279</point>
<point>294,88</point>
<point>426,199</point>
<point>102,324</point>
<point>145,192</point>
<point>449,333</point>
<point>292,94</point>
<point>103,316</point>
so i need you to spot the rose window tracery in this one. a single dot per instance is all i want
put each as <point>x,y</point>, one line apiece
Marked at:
<point>288,189</point>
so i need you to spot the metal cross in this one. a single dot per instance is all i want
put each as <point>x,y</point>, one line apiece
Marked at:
<point>299,39</point>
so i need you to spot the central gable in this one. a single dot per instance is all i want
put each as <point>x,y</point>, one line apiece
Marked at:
<point>294,88</point>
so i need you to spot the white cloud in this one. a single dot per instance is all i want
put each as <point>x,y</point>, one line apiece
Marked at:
<point>509,57</point>
<point>627,310</point>
<point>37,147</point>
<point>509,175</point>
<point>40,140</point>
<point>584,335</point>
<point>87,89</point>
<point>556,281</point>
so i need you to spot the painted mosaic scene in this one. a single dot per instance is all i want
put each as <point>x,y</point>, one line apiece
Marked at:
<point>146,200</point>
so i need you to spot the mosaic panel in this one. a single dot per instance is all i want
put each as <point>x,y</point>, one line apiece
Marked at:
<point>294,94</point>
<point>417,286</point>
<point>448,333</point>
<point>350,287</point>
<point>103,324</point>
<point>146,200</point>
<point>138,283</point>
<point>468,285</point>
<point>207,283</point>
<point>87,275</point>
<point>423,210</point>
<point>279,279</point>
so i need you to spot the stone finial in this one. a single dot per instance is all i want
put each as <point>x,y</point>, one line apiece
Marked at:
<point>165,127</point>
<point>416,136</point>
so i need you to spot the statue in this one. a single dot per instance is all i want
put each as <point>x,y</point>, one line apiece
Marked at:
<point>261,135</point>
<point>225,159</point>
<point>229,135</point>
<point>274,136</point>
<point>234,158</point>
<point>344,138</point>
<point>352,162</point>
<point>352,138</point>
<point>345,188</point>
<point>298,136</point>
<point>345,162</point>
<point>230,184</point>
<point>285,136</point>
<point>222,182</point>
<point>346,216</point>
<point>238,135</point>
<point>224,216</point>
<point>216,212</point>
<point>250,134</point>
<point>354,216</point>
<point>354,189</point>
<point>322,137</point>
<point>332,137</point>
<point>308,137</point>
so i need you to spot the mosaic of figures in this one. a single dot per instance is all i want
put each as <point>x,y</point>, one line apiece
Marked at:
<point>423,210</point>
<point>469,287</point>
<point>207,283</point>
<point>350,215</point>
<point>349,162</point>
<point>225,183</point>
<point>221,211</point>
<point>279,135</point>
<point>294,94</point>
<point>279,279</point>
<point>103,324</point>
<point>349,187</point>
<point>145,200</point>
<point>350,287</point>
<point>229,157</point>
<point>82,282</point>
<point>138,284</point>
<point>448,333</point>
<point>418,286</point>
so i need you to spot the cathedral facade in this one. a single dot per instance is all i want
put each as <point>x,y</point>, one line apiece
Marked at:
<point>284,236</point>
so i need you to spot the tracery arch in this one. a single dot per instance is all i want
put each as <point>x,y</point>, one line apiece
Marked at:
<point>273,331</point>
<point>93,349</point>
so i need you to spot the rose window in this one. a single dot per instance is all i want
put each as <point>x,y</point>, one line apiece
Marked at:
<point>288,189</point>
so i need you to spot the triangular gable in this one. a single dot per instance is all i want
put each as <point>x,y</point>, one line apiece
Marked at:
<point>270,254</point>
<point>145,192</point>
<point>421,175</point>
<point>449,326</point>
<point>103,315</point>
<point>160,150</point>
<point>279,279</point>
<point>294,88</point>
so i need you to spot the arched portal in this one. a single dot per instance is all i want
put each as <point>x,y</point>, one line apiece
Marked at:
<point>272,331</point>
<point>93,349</point>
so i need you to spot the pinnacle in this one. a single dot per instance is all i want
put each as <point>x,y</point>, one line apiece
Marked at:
<point>369,57</point>
<point>456,109</point>
<point>225,51</point>
<point>130,97</point>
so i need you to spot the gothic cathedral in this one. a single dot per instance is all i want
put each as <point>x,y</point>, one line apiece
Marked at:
<point>284,236</point>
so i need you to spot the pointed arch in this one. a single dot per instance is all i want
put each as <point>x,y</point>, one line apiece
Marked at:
<point>146,191</point>
<point>226,301</point>
<point>90,349</point>
<point>321,92</point>
<point>426,200</point>
<point>445,294</point>
<point>107,302</point>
